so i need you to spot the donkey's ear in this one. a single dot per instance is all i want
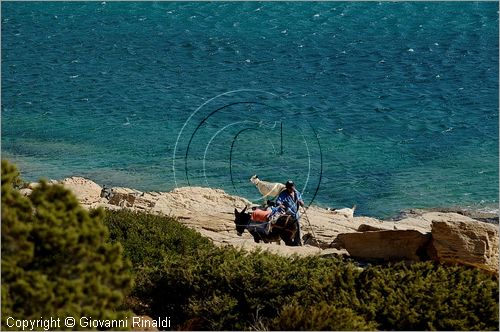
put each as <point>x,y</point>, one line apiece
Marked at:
<point>236,213</point>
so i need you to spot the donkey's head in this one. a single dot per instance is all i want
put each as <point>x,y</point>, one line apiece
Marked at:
<point>241,219</point>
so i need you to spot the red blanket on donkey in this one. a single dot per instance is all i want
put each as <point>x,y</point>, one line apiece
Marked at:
<point>260,215</point>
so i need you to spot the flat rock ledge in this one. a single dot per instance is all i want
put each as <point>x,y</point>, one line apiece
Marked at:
<point>446,237</point>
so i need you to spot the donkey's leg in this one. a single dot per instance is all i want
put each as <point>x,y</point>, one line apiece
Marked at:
<point>256,236</point>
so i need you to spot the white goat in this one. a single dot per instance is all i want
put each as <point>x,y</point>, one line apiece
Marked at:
<point>346,212</point>
<point>267,189</point>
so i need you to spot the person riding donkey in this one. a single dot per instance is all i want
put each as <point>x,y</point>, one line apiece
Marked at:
<point>289,200</point>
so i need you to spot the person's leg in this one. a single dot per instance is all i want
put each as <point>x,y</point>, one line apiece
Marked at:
<point>298,236</point>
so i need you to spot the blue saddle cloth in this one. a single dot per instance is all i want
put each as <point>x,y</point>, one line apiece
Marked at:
<point>259,227</point>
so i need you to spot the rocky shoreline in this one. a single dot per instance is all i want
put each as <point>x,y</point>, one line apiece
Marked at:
<point>488,217</point>
<point>449,236</point>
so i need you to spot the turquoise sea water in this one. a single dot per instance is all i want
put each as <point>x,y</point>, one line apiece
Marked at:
<point>383,105</point>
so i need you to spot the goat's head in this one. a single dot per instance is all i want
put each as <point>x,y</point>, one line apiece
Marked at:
<point>254,179</point>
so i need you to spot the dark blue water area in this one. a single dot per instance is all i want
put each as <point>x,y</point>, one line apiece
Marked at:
<point>387,105</point>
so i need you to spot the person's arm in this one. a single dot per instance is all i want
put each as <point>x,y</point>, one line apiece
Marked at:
<point>299,199</point>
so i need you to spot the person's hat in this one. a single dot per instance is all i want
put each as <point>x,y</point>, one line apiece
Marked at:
<point>289,184</point>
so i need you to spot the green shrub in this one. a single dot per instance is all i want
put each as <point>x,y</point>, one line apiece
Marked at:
<point>152,243</point>
<point>427,296</point>
<point>56,257</point>
<point>223,288</point>
<point>200,286</point>
<point>149,239</point>
<point>319,317</point>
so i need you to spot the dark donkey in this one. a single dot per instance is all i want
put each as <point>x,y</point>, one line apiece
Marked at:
<point>284,228</point>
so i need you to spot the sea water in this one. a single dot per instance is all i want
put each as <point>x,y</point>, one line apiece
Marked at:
<point>388,105</point>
